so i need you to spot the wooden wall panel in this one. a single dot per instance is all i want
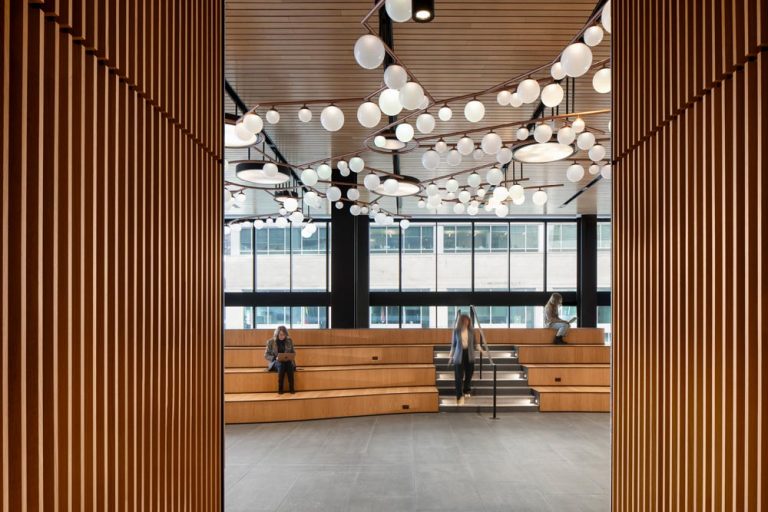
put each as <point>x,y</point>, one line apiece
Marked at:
<point>111,290</point>
<point>690,378</point>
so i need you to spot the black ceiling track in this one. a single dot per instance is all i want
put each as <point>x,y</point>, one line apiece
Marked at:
<point>583,189</point>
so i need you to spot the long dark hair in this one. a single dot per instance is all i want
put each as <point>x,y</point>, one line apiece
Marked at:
<point>277,332</point>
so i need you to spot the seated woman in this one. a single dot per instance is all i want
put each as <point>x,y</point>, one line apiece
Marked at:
<point>552,318</point>
<point>278,344</point>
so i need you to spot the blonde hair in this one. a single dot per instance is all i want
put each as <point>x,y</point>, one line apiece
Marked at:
<point>555,299</point>
<point>277,331</point>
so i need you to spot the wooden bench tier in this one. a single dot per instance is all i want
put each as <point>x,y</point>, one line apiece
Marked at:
<point>584,374</point>
<point>259,380</point>
<point>549,354</point>
<point>308,405</point>
<point>328,337</point>
<point>574,398</point>
<point>245,357</point>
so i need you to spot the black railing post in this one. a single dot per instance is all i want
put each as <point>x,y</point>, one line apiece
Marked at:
<point>494,392</point>
<point>481,365</point>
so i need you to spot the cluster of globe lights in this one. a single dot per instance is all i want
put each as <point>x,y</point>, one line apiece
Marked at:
<point>402,94</point>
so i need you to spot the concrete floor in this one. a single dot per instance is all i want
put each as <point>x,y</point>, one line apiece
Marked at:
<point>414,462</point>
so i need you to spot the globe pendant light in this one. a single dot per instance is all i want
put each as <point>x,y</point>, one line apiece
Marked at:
<point>253,123</point>
<point>395,77</point>
<point>474,111</point>
<point>430,160</point>
<point>502,210</point>
<point>503,98</point>
<point>528,90</point>
<point>389,102</point>
<point>425,123</point>
<point>273,116</point>
<point>472,209</point>
<point>597,153</point>
<point>432,190</point>
<point>356,164</point>
<point>578,125</point>
<point>519,200</point>
<point>404,132</point>
<point>398,10</point>
<point>516,191</point>
<point>333,194</point>
<point>404,224</point>
<point>491,143</point>
<point>478,154</point>
<point>411,95</point>
<point>585,140</point>
<point>332,118</point>
<point>369,51</point>
<point>566,135</point>
<point>465,145</point>
<point>504,156</point>
<point>574,173</point>
<point>353,194</point>
<point>593,35</point>
<point>458,208</point>
<point>473,180</point>
<point>270,170</point>
<point>500,193</point>
<point>602,81</point>
<point>453,158</point>
<point>390,186</point>
<point>515,100</point>
<point>354,210</point>
<point>606,172</point>
<point>594,169</point>
<point>542,133</point>
<point>576,59</point>
<point>309,177</point>
<point>605,17</point>
<point>342,165</point>
<point>324,171</point>
<point>494,176</point>
<point>441,146</point>
<point>423,11</point>
<point>522,133</point>
<point>452,185</point>
<point>539,198</point>
<point>552,95</point>
<point>371,182</point>
<point>305,115</point>
<point>368,114</point>
<point>464,196</point>
<point>242,132</point>
<point>445,113</point>
<point>557,71</point>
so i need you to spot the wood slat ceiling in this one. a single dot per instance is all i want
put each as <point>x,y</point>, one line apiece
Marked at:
<point>295,51</point>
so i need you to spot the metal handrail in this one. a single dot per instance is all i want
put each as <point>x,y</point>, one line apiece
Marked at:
<point>484,348</point>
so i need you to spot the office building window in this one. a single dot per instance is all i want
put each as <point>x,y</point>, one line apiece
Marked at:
<point>419,238</point>
<point>603,256</point>
<point>415,317</point>
<point>309,317</point>
<point>491,257</point>
<point>238,260</point>
<point>561,256</point>
<point>419,258</point>
<point>269,317</point>
<point>526,256</point>
<point>385,316</point>
<point>454,257</point>
<point>604,321</point>
<point>526,316</point>
<point>238,317</point>
<point>308,261</point>
<point>384,258</point>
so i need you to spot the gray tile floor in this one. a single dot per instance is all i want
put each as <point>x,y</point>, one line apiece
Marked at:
<point>413,462</point>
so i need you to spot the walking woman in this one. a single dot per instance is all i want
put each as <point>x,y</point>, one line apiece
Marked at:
<point>552,318</point>
<point>281,343</point>
<point>462,356</point>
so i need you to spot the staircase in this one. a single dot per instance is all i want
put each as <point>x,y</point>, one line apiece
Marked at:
<point>512,391</point>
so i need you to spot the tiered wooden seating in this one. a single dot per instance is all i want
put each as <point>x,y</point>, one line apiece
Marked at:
<point>592,374</point>
<point>348,376</point>
<point>560,354</point>
<point>574,399</point>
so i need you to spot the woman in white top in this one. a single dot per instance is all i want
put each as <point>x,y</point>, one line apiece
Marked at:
<point>462,356</point>
<point>552,318</point>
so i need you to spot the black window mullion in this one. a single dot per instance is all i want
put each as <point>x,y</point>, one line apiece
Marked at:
<point>473,256</point>
<point>546,255</point>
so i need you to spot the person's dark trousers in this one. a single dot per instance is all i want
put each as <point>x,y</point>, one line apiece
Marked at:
<point>463,373</point>
<point>283,370</point>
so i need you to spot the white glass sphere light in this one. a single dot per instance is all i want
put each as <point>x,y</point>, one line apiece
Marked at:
<point>606,171</point>
<point>465,145</point>
<point>576,59</point>
<point>424,103</point>
<point>585,140</point>
<point>339,205</point>
<point>500,193</point>
<point>472,209</point>
<point>503,98</point>
<point>515,100</point>
<point>273,116</point>
<point>305,115</point>
<point>542,133</point>
<point>369,51</point>
<point>258,224</point>
<point>458,208</point>
<point>281,222</point>
<point>516,191</point>
<point>502,210</point>
<point>333,194</point>
<point>421,203</point>
<point>371,182</point>
<point>356,164</point>
<point>324,171</point>
<point>240,196</point>
<point>404,223</point>
<point>411,95</point>
<point>389,102</point>
<point>481,193</point>
<point>602,81</point>
<point>425,123</point>
<point>432,190</point>
<point>404,132</point>
<point>354,210</point>
<point>597,153</point>
<point>491,143</point>
<point>296,216</point>
<point>566,135</point>
<point>552,95</point>
<point>578,125</point>
<point>594,169</point>
<point>390,186</point>
<point>522,133</point>
<point>593,35</point>
<point>441,146</point>
<point>252,122</point>
<point>445,113</point>
<point>465,196</point>
<point>494,176</point>
<point>380,141</point>
<point>474,180</point>
<point>430,160</point>
<point>519,200</point>
<point>242,132</point>
<point>342,165</point>
<point>353,194</point>
<point>605,17</point>
<point>309,177</point>
<point>270,169</point>
<point>398,10</point>
<point>528,90</point>
<point>395,77</point>
<point>557,71</point>
<point>452,185</point>
<point>474,111</point>
<point>310,198</point>
<point>478,154</point>
<point>504,155</point>
<point>539,198</point>
<point>453,158</point>
<point>332,118</point>
<point>574,172</point>
<point>368,114</point>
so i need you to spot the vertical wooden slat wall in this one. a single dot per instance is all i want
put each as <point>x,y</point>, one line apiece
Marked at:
<point>111,150</point>
<point>690,354</point>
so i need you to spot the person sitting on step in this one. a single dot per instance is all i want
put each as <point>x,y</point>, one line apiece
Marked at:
<point>552,318</point>
<point>281,343</point>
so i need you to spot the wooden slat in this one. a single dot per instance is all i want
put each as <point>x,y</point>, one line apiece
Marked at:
<point>241,357</point>
<point>563,354</point>
<point>568,375</point>
<point>111,316</point>
<point>690,380</point>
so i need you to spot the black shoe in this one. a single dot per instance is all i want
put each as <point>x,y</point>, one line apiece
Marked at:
<point>293,391</point>
<point>559,341</point>
<point>280,392</point>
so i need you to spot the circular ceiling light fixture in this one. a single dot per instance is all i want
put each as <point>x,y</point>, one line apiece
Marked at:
<point>388,143</point>
<point>286,196</point>
<point>423,11</point>
<point>537,153</point>
<point>261,172</point>
<point>231,140</point>
<point>406,186</point>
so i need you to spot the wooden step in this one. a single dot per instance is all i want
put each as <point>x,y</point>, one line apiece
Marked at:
<point>259,380</point>
<point>527,354</point>
<point>345,337</point>
<point>568,374</point>
<point>309,405</point>
<point>245,357</point>
<point>574,398</point>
